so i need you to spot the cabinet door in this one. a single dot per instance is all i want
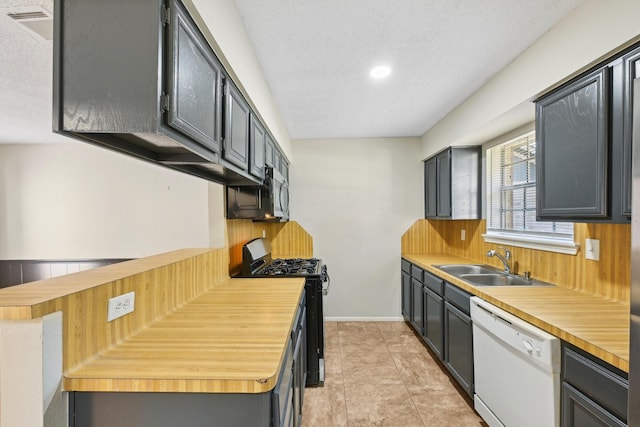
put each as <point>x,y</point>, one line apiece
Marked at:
<point>631,72</point>
<point>257,141</point>
<point>458,342</point>
<point>580,411</point>
<point>194,82</point>
<point>443,167</point>
<point>406,296</point>
<point>236,133</point>
<point>572,130</point>
<point>269,149</point>
<point>417,312</point>
<point>434,321</point>
<point>430,186</point>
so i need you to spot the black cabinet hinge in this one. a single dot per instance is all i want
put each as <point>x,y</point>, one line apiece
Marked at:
<point>166,15</point>
<point>164,102</point>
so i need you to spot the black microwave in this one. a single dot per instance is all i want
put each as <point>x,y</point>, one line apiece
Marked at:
<point>268,202</point>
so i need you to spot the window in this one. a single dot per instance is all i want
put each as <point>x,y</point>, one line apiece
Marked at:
<point>511,200</point>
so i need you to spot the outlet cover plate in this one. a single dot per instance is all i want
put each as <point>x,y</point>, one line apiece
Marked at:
<point>121,305</point>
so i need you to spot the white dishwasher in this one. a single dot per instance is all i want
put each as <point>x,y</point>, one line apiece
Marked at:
<point>516,369</point>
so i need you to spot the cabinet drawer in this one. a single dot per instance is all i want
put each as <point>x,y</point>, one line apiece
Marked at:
<point>604,386</point>
<point>457,297</point>
<point>434,283</point>
<point>406,266</point>
<point>416,273</point>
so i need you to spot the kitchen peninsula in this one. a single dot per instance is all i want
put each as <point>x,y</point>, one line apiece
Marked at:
<point>194,330</point>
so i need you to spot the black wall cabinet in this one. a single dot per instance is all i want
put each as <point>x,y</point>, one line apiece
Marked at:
<point>257,141</point>
<point>452,184</point>
<point>236,133</point>
<point>583,143</point>
<point>194,84</point>
<point>153,89</point>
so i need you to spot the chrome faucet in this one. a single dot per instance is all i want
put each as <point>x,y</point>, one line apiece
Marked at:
<point>505,259</point>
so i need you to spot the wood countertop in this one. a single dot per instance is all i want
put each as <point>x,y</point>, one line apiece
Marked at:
<point>231,339</point>
<point>596,325</point>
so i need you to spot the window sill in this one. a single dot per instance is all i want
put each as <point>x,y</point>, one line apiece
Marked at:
<point>530,242</point>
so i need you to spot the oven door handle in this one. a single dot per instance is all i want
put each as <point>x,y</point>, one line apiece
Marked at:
<point>325,279</point>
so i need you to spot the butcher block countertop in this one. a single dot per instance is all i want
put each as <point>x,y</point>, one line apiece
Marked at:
<point>231,339</point>
<point>596,325</point>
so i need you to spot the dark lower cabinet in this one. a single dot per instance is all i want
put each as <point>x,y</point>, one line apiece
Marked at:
<point>458,346</point>
<point>594,393</point>
<point>434,313</point>
<point>417,310</point>
<point>434,322</point>
<point>580,411</point>
<point>439,312</point>
<point>406,290</point>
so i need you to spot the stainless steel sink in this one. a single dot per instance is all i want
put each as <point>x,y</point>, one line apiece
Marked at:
<point>484,275</point>
<point>496,279</point>
<point>460,269</point>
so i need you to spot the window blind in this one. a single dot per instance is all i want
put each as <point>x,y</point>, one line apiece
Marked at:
<point>511,192</point>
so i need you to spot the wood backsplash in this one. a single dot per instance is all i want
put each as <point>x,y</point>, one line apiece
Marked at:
<point>288,240</point>
<point>610,277</point>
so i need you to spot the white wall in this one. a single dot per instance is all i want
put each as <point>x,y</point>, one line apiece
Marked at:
<point>356,198</point>
<point>591,31</point>
<point>79,201</point>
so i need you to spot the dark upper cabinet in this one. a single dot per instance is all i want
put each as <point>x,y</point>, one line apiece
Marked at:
<point>452,184</point>
<point>583,144</point>
<point>572,149</point>
<point>269,150</point>
<point>154,89</point>
<point>631,67</point>
<point>194,82</point>
<point>236,131</point>
<point>257,141</point>
<point>430,188</point>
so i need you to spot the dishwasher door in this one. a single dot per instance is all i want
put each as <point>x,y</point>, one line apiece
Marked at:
<point>516,370</point>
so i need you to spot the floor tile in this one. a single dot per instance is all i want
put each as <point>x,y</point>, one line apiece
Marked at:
<point>324,406</point>
<point>370,368</point>
<point>358,326</point>
<point>381,374</point>
<point>394,326</point>
<point>403,342</point>
<point>366,342</point>
<point>380,405</point>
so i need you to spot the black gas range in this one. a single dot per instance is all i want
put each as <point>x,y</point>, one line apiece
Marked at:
<point>258,262</point>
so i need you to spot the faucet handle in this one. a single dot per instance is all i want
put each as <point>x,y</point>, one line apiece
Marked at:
<point>507,252</point>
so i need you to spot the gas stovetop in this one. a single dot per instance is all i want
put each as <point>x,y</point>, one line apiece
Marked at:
<point>292,267</point>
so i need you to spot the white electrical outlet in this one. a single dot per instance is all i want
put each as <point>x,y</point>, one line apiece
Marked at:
<point>463,234</point>
<point>121,305</point>
<point>592,249</point>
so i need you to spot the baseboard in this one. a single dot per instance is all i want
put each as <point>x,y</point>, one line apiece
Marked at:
<point>364,319</point>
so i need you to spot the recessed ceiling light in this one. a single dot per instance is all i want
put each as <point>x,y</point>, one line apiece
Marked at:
<point>380,72</point>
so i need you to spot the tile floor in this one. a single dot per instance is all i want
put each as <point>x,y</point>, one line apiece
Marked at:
<point>381,374</point>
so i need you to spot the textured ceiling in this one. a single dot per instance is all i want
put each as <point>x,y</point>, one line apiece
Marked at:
<point>25,79</point>
<point>316,56</point>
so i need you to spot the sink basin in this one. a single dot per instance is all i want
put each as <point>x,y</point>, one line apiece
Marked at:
<point>498,279</point>
<point>460,269</point>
